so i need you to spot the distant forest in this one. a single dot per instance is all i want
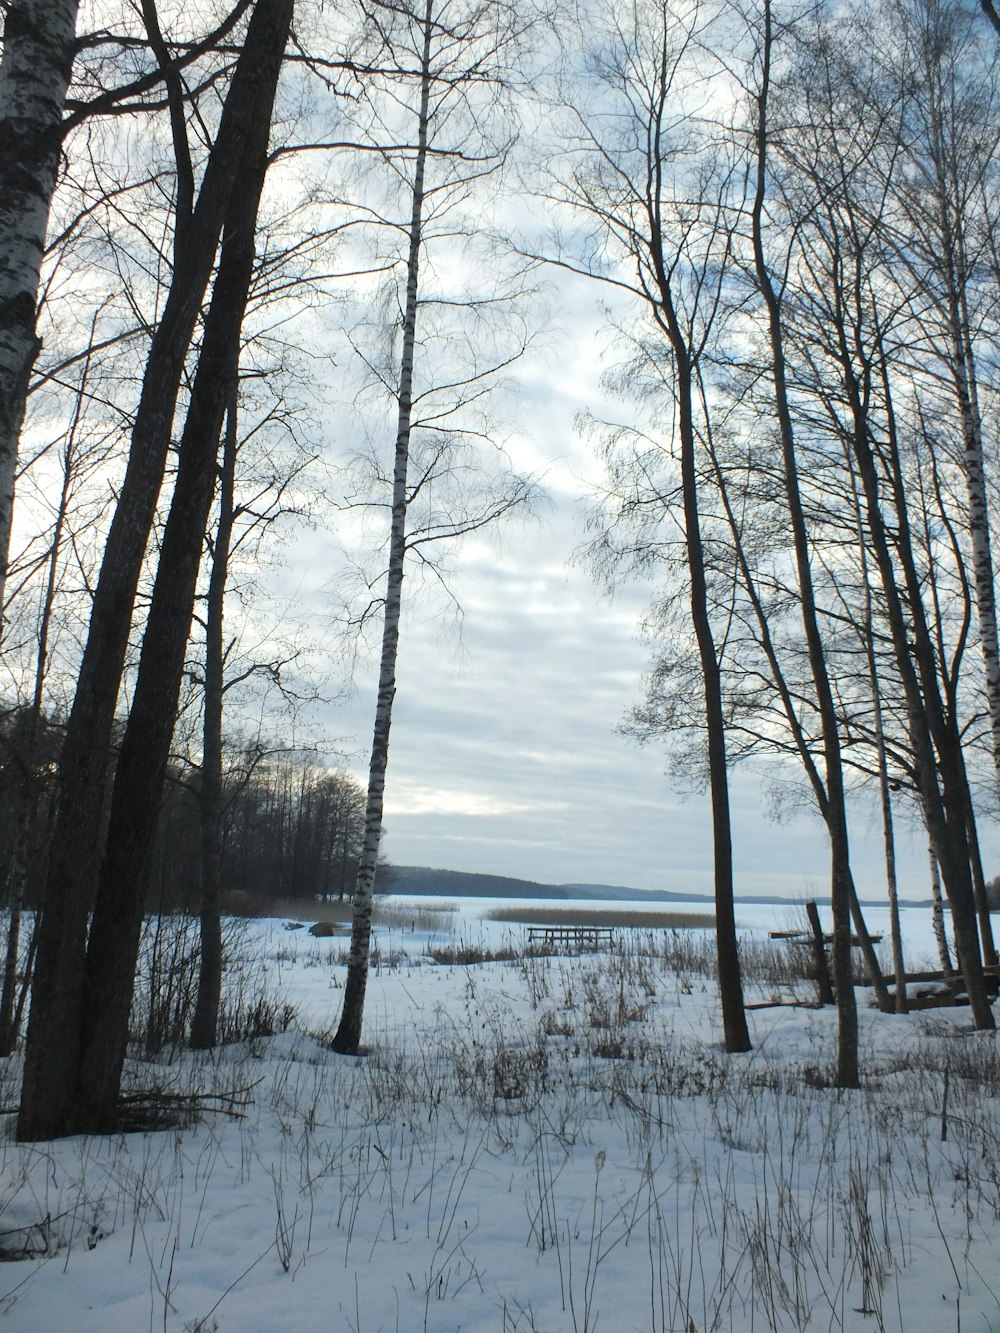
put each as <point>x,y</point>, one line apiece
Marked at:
<point>291,827</point>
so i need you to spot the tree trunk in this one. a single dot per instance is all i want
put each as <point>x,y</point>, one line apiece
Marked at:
<point>889,843</point>
<point>824,986</point>
<point>790,709</point>
<point>934,736</point>
<point>937,914</point>
<point>736,1033</point>
<point>204,1024</point>
<point>885,790</point>
<point>347,1038</point>
<point>18,875</point>
<point>142,761</point>
<point>28,793</point>
<point>49,1102</point>
<point>38,50</point>
<point>842,889</point>
<point>948,258</point>
<point>986,940</point>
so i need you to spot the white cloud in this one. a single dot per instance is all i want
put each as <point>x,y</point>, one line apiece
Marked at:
<point>410,801</point>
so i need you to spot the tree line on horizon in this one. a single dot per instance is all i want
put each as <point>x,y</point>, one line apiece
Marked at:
<point>262,268</point>
<point>291,827</point>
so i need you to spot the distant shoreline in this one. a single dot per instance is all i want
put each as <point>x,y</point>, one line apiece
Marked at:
<point>428,882</point>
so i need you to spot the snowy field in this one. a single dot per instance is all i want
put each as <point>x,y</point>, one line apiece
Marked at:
<point>530,1144</point>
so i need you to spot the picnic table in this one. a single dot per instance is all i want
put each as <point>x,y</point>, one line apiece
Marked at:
<point>569,939</point>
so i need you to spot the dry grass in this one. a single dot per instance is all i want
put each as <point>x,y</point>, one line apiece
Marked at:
<point>601,916</point>
<point>415,914</point>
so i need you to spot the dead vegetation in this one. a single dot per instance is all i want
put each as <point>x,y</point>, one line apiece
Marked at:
<point>574,915</point>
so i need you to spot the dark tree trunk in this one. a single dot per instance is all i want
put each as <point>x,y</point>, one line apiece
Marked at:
<point>835,813</point>
<point>934,735</point>
<point>204,1024</point>
<point>50,1092</point>
<point>28,794</point>
<point>986,940</point>
<point>734,1022</point>
<point>18,876</point>
<point>142,762</point>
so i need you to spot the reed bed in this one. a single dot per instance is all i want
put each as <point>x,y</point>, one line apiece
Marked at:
<point>573,915</point>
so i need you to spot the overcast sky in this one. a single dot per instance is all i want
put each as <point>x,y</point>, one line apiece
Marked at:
<point>505,755</point>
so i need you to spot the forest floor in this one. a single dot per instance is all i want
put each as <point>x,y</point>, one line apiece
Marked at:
<point>529,1145</point>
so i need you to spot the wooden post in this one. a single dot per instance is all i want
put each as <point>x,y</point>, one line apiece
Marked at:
<point>819,953</point>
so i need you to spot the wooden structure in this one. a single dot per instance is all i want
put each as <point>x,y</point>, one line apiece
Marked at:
<point>931,990</point>
<point>569,939</point>
<point>943,990</point>
<point>815,939</point>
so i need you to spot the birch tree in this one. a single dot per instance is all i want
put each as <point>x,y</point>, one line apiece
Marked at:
<point>448,59</point>
<point>35,69</point>
<point>836,809</point>
<point>938,63</point>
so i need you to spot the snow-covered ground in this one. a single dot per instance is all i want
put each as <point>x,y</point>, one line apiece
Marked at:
<point>544,1144</point>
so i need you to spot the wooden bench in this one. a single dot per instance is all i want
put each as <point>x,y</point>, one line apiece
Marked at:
<point>569,939</point>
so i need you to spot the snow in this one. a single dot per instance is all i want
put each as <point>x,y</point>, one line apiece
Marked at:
<point>545,1144</point>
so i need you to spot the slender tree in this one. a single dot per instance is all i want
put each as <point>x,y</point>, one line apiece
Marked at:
<point>204,1024</point>
<point>636,184</point>
<point>836,810</point>
<point>448,53</point>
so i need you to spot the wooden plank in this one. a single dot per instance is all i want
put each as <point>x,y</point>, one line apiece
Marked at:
<point>804,937</point>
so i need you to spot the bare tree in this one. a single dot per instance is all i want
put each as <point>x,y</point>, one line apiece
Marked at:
<point>636,181</point>
<point>245,514</point>
<point>204,1024</point>
<point>40,46</point>
<point>936,63</point>
<point>836,808</point>
<point>446,54</point>
<point>853,330</point>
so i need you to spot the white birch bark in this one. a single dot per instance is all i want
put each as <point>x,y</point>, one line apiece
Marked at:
<point>34,75</point>
<point>348,1035</point>
<point>937,914</point>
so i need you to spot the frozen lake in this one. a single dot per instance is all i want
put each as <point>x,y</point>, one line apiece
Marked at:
<point>470,921</point>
